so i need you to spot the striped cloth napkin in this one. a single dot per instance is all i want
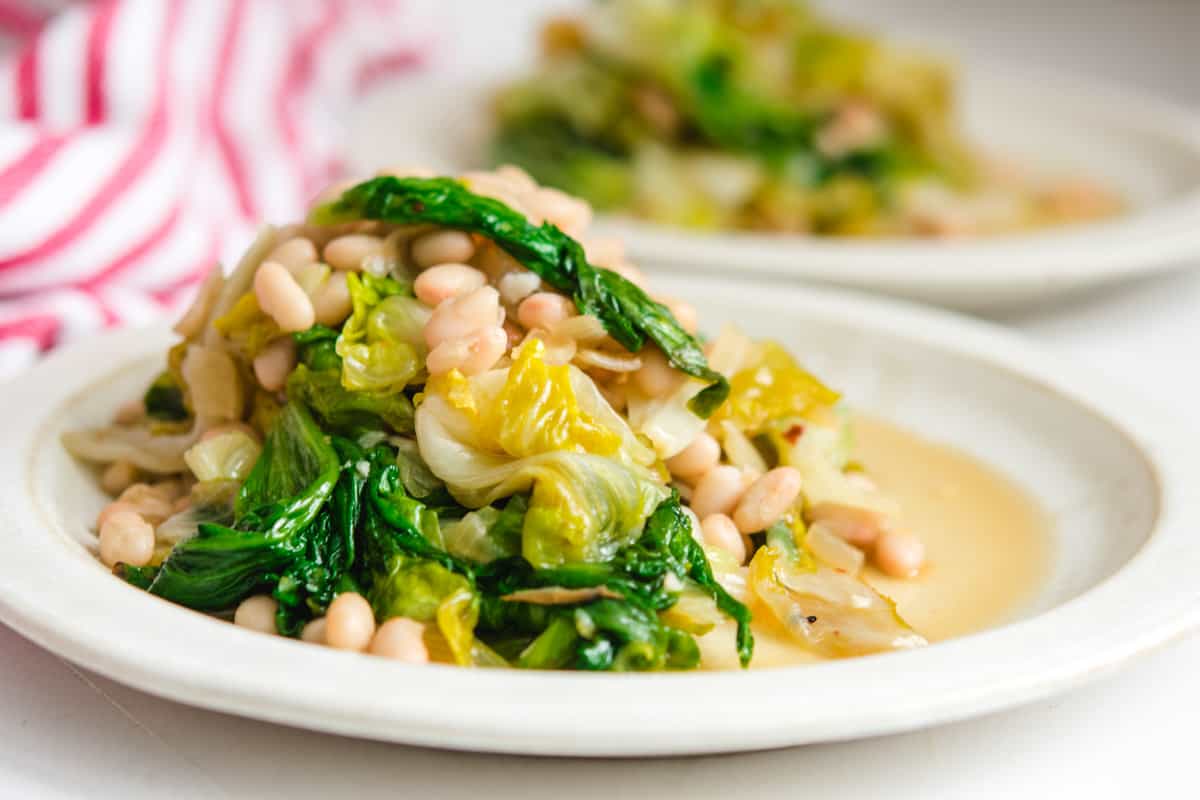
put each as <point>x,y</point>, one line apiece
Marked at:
<point>141,141</point>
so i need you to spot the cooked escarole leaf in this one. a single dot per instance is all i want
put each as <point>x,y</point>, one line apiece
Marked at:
<point>346,411</point>
<point>622,627</point>
<point>771,386</point>
<point>627,312</point>
<point>296,457</point>
<point>583,507</point>
<point>290,484</point>
<point>318,516</point>
<point>469,430</point>
<point>426,591</point>
<point>502,600</point>
<point>545,430</point>
<point>827,610</point>
<point>488,533</point>
<point>669,531</point>
<point>318,382</point>
<point>376,344</point>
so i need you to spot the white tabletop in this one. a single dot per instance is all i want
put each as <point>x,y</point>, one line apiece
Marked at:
<point>69,733</point>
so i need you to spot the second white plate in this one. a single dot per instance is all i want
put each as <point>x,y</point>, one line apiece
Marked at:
<point>1148,150</point>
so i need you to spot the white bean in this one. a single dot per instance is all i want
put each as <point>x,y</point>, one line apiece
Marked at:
<point>281,298</point>
<point>517,285</point>
<point>717,491</point>
<point>445,281</point>
<point>441,247</point>
<point>313,631</point>
<point>604,251</point>
<point>471,355</point>
<point>447,356</point>
<point>899,554</point>
<point>294,253</point>
<point>696,459</point>
<point>858,526</point>
<point>657,377</point>
<point>544,310</point>
<point>406,171</point>
<point>331,301</point>
<point>569,213</point>
<point>767,499</point>
<point>517,178</point>
<point>349,622</point>
<point>486,348</point>
<point>461,316</point>
<point>501,188</point>
<point>118,477</point>
<point>401,639</point>
<point>720,531</point>
<point>113,508</point>
<point>257,613</point>
<point>275,362</point>
<point>310,276</point>
<point>151,502</point>
<point>126,538</point>
<point>347,253</point>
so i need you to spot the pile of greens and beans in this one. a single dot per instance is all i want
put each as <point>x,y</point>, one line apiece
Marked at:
<point>426,424</point>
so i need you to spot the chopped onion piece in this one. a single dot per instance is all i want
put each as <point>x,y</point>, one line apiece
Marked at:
<point>832,549</point>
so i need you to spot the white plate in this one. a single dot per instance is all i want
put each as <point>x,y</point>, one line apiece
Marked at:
<point>1148,150</point>
<point>1117,476</point>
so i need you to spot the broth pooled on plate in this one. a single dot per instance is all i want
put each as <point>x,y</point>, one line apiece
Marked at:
<point>438,422</point>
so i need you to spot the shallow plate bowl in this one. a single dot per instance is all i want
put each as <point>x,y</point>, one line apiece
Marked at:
<point>1117,477</point>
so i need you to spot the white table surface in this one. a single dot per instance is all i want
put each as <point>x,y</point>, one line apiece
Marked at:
<point>70,733</point>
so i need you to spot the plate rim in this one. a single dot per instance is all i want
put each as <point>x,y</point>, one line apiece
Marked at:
<point>666,720</point>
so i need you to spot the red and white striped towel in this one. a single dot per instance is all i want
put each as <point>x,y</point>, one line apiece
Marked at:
<point>142,140</point>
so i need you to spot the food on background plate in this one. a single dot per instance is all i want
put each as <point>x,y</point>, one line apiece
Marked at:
<point>437,421</point>
<point>764,115</point>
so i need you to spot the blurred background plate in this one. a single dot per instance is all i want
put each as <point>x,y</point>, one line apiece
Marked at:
<point>1149,150</point>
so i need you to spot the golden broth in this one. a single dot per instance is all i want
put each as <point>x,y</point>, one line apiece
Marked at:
<point>987,545</point>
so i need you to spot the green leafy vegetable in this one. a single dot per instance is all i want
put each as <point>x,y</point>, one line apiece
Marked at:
<point>488,533</point>
<point>426,591</point>
<point>374,357</point>
<point>730,116</point>
<point>349,412</point>
<point>628,313</point>
<point>164,399</point>
<point>298,465</point>
<point>637,637</point>
<point>290,484</point>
